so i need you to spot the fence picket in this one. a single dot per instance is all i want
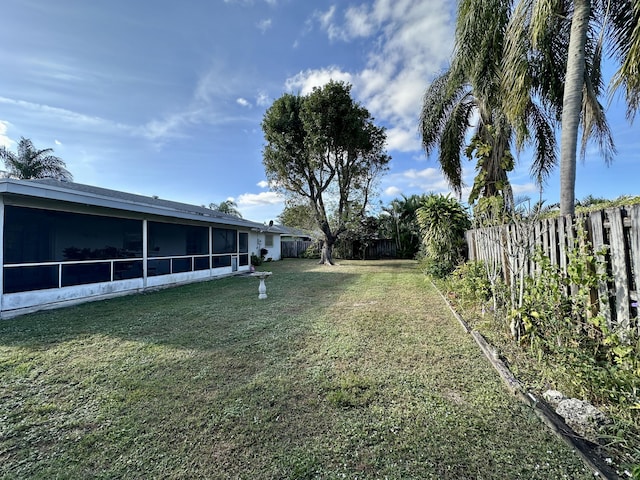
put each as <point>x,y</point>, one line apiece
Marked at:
<point>553,241</point>
<point>597,236</point>
<point>512,247</point>
<point>619,267</point>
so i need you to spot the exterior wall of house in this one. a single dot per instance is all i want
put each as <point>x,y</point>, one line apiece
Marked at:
<point>274,248</point>
<point>56,254</point>
<point>258,241</point>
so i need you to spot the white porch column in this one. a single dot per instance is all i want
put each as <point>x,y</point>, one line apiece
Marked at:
<point>144,253</point>
<point>1,254</point>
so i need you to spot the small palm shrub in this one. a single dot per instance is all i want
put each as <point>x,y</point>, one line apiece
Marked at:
<point>443,222</point>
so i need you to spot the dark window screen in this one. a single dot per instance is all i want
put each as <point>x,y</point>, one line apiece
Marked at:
<point>223,261</point>
<point>201,263</point>
<point>181,265</point>
<point>169,239</point>
<point>127,270</point>
<point>243,242</point>
<point>23,279</point>
<point>33,235</point>
<point>158,267</point>
<point>225,240</point>
<point>83,273</point>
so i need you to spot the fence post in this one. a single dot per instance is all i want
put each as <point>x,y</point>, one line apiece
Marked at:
<point>619,267</point>
<point>634,236</point>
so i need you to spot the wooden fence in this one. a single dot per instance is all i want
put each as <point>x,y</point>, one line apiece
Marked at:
<point>510,250</point>
<point>296,248</point>
<point>374,249</point>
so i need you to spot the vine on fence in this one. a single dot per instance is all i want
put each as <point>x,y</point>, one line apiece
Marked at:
<point>555,316</point>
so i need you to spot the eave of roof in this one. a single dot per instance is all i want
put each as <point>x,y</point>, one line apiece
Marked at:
<point>50,189</point>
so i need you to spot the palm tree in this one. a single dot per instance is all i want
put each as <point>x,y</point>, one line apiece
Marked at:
<point>573,33</point>
<point>29,163</point>
<point>472,89</point>
<point>228,206</point>
<point>400,223</point>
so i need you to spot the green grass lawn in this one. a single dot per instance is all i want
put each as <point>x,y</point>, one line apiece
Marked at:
<point>354,371</point>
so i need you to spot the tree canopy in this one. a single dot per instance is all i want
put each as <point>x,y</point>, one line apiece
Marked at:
<point>324,149</point>
<point>29,163</point>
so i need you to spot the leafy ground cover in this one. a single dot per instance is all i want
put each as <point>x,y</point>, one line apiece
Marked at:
<point>356,371</point>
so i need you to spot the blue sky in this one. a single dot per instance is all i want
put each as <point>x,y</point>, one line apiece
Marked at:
<point>166,98</point>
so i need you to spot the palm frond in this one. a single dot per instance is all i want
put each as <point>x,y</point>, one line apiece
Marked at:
<point>544,143</point>
<point>438,101</point>
<point>452,141</point>
<point>595,123</point>
<point>625,39</point>
<point>516,80</point>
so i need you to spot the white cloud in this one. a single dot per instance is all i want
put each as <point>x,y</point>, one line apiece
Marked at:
<point>243,102</point>
<point>326,22</point>
<point>519,189</point>
<point>210,95</point>
<point>263,184</point>
<point>402,140</point>
<point>304,82</point>
<point>413,42</point>
<point>358,21</point>
<point>264,25</point>
<point>420,181</point>
<point>393,191</point>
<point>263,100</point>
<point>262,198</point>
<point>168,127</point>
<point>5,141</point>
<point>67,117</point>
<point>57,142</point>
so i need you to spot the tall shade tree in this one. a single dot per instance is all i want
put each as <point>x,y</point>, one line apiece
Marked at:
<point>471,91</point>
<point>324,148</point>
<point>228,206</point>
<point>297,215</point>
<point>30,163</point>
<point>574,33</point>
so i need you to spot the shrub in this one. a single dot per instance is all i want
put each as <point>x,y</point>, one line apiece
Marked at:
<point>443,222</point>
<point>567,343</point>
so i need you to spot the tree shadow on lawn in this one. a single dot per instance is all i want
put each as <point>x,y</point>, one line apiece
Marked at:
<point>212,314</point>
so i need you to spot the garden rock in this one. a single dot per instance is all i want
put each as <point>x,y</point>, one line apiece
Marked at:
<point>583,418</point>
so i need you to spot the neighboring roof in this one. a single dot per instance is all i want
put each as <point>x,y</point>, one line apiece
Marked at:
<point>296,232</point>
<point>51,189</point>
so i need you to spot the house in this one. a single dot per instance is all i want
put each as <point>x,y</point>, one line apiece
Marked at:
<point>291,234</point>
<point>65,243</point>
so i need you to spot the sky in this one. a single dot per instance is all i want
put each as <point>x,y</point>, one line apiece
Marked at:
<point>166,98</point>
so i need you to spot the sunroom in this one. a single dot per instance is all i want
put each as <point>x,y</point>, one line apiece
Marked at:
<point>64,243</point>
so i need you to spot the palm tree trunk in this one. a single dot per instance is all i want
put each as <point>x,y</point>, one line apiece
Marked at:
<point>572,105</point>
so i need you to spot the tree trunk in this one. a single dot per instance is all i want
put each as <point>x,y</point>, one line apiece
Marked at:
<point>572,105</point>
<point>326,255</point>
